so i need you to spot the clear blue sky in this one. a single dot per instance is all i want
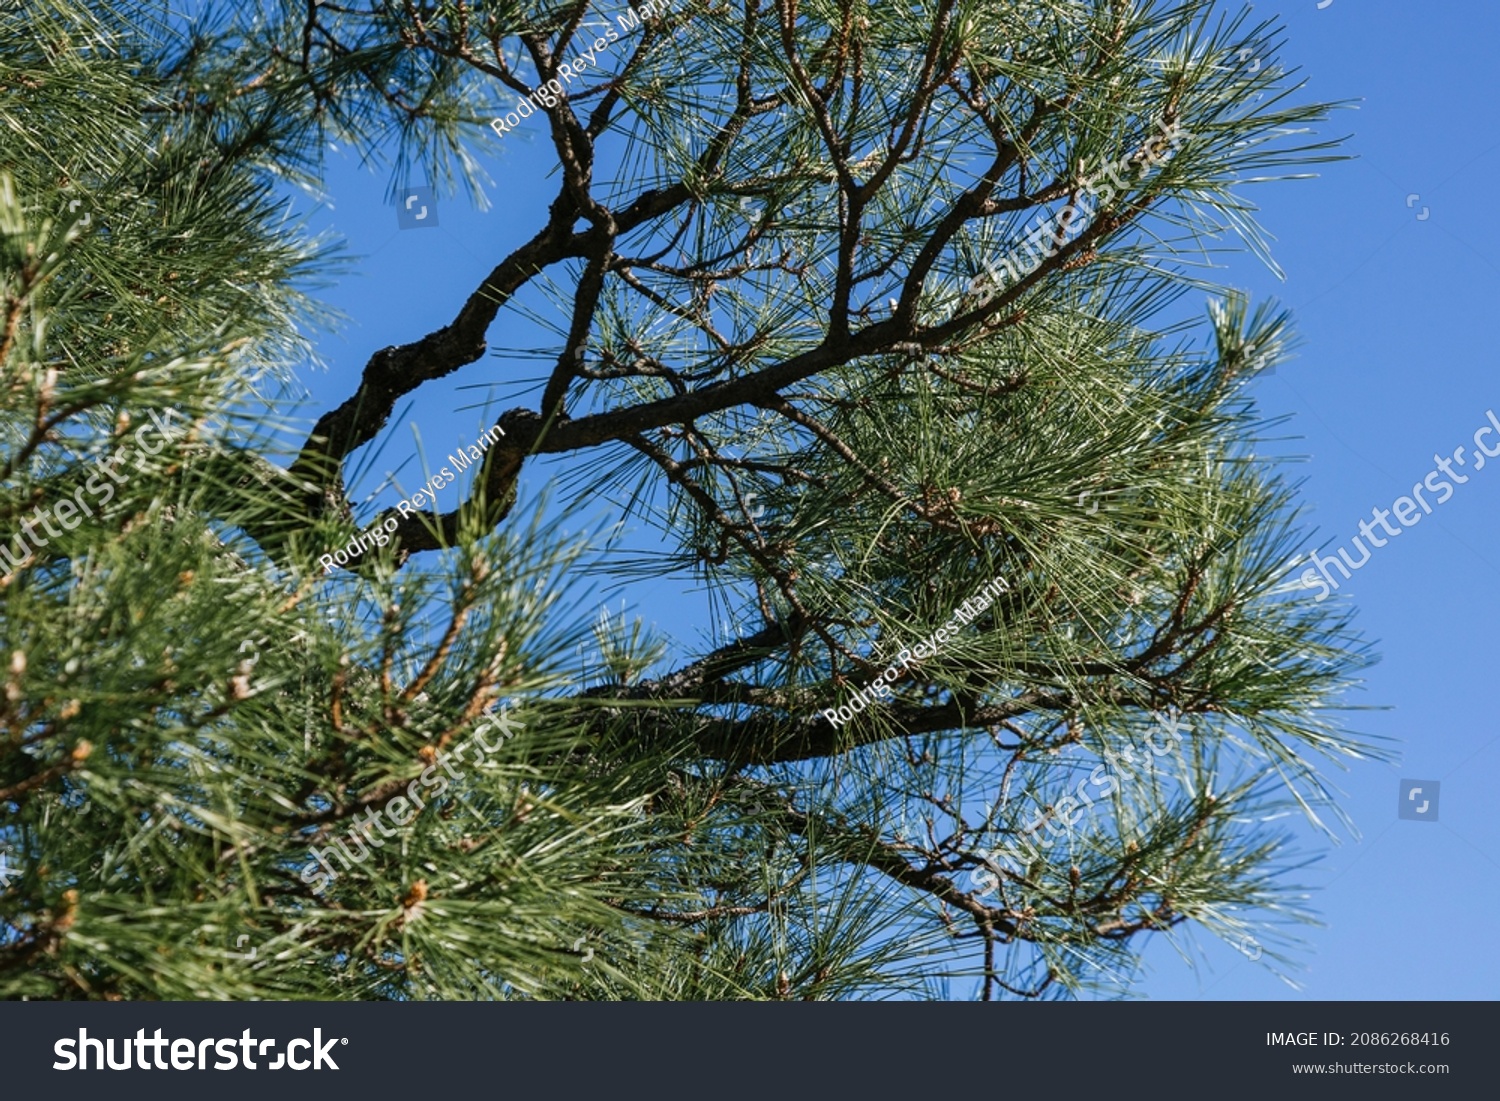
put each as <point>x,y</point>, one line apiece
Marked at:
<point>1395,367</point>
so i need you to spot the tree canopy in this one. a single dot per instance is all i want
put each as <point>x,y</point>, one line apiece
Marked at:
<point>886,322</point>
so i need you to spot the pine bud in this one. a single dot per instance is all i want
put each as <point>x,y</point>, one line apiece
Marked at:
<point>69,914</point>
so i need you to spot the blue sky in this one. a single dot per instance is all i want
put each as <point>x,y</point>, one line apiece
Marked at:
<point>1390,276</point>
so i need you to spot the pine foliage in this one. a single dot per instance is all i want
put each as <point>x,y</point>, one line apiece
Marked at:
<point>785,346</point>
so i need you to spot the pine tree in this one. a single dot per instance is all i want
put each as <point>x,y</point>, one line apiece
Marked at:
<point>870,315</point>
